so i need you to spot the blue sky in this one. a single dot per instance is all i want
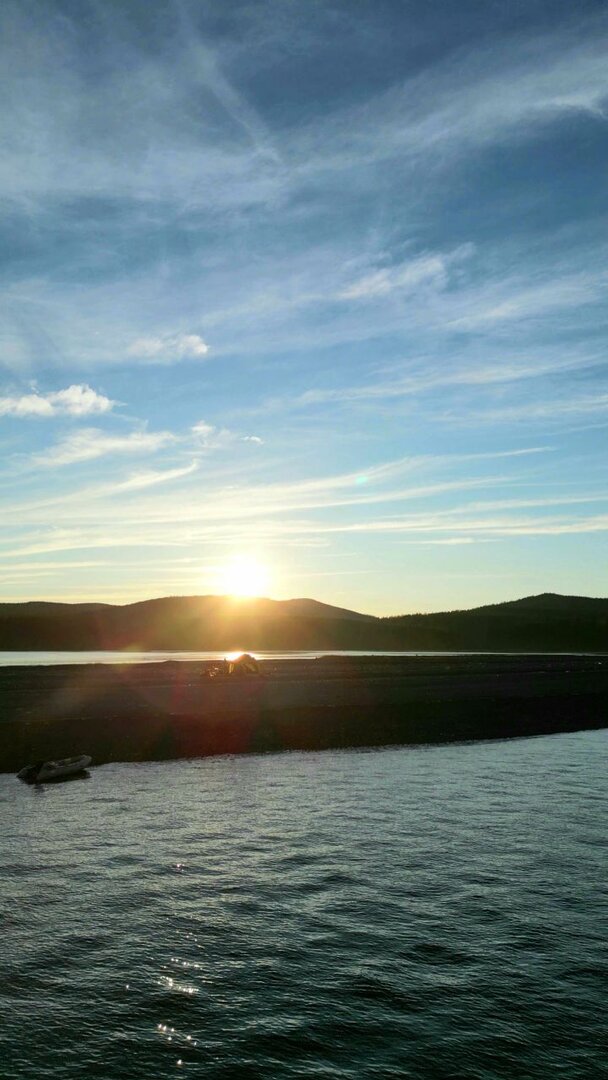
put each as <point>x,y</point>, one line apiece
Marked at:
<point>317,284</point>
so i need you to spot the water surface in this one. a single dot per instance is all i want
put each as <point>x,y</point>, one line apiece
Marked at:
<point>427,912</point>
<point>51,658</point>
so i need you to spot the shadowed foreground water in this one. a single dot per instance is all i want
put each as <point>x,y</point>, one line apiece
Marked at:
<point>428,912</point>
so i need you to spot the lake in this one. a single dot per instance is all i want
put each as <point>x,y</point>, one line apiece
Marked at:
<point>430,912</point>
<point>34,658</point>
<point>31,657</point>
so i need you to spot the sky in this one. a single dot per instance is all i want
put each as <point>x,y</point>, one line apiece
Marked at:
<point>310,289</point>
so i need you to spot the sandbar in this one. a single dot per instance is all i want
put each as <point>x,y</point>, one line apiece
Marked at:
<point>170,710</point>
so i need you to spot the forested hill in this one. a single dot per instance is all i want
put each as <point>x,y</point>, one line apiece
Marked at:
<point>548,622</point>
<point>537,623</point>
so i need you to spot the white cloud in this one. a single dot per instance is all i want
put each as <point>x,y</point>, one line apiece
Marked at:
<point>90,443</point>
<point>75,400</point>
<point>169,347</point>
<point>203,431</point>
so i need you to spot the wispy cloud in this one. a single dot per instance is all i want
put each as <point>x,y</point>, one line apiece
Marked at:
<point>452,541</point>
<point>185,105</point>
<point>150,108</point>
<point>75,400</point>
<point>468,99</point>
<point>549,411</point>
<point>205,70</point>
<point>424,270</point>
<point>223,505</point>
<point>417,377</point>
<point>146,478</point>
<point>76,502</point>
<point>512,300</point>
<point>497,527</point>
<point>88,444</point>
<point>420,527</point>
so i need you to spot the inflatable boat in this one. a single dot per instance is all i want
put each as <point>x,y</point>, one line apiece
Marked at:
<point>45,772</point>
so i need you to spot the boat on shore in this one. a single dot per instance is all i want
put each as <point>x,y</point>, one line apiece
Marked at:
<point>45,772</point>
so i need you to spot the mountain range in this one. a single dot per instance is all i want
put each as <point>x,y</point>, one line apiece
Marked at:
<point>548,622</point>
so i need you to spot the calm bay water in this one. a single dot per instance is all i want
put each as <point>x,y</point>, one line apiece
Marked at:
<point>429,912</point>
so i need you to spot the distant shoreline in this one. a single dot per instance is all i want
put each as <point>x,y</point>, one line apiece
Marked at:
<point>163,711</point>
<point>66,657</point>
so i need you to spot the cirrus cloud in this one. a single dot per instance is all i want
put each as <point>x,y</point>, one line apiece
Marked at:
<point>90,443</point>
<point>428,270</point>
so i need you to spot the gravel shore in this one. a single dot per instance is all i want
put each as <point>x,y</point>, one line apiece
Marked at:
<point>173,709</point>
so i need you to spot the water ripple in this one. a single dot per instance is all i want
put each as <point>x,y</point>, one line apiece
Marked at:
<point>434,912</point>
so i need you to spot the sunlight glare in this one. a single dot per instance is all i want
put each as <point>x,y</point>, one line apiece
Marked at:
<point>243,576</point>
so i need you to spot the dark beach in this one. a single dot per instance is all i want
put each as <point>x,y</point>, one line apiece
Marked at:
<point>151,712</point>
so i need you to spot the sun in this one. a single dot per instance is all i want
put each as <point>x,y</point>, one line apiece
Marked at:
<point>244,575</point>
